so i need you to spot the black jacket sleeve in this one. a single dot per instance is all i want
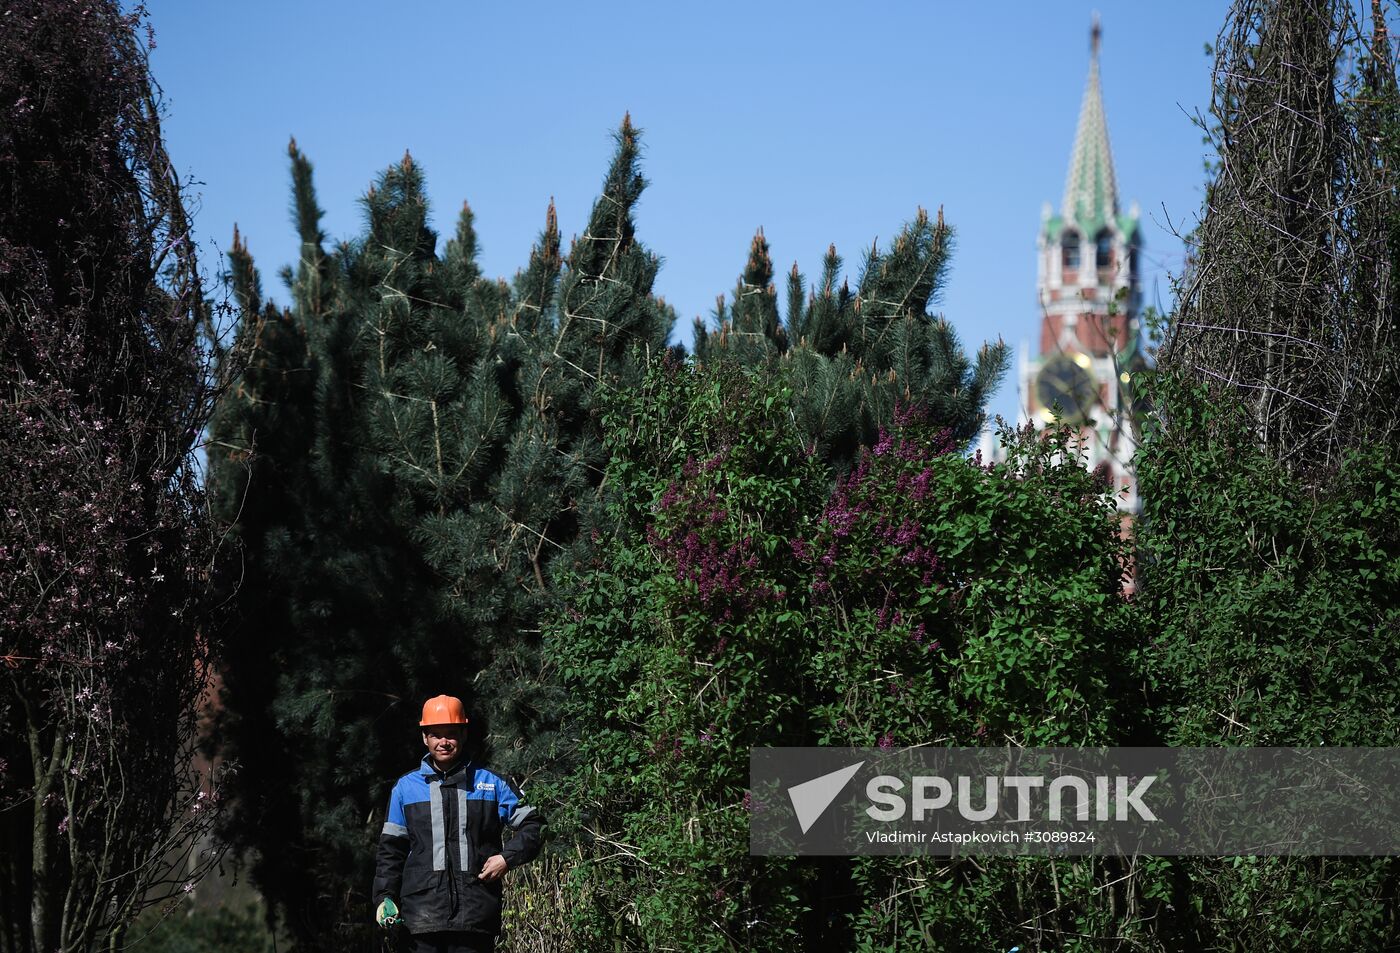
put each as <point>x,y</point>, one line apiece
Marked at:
<point>528,826</point>
<point>393,850</point>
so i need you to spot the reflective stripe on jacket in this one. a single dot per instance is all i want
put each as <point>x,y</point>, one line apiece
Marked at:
<point>441,828</point>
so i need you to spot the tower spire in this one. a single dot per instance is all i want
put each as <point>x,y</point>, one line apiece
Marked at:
<point>1091,193</point>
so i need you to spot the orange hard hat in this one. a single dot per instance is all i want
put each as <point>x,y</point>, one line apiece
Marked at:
<point>443,710</point>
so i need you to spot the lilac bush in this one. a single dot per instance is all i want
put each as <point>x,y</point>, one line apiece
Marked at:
<point>749,597</point>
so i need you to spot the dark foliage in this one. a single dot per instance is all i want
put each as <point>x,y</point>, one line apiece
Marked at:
<point>105,622</point>
<point>409,449</point>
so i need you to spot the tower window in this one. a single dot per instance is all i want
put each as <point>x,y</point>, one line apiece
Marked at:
<point>1069,251</point>
<point>1103,250</point>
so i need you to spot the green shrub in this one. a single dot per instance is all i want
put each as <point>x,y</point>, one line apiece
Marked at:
<point>1274,600</point>
<point>745,599</point>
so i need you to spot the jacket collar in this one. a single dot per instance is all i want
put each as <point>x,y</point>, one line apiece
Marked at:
<point>451,776</point>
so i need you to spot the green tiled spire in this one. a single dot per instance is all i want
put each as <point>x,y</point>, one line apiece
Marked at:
<point>1091,194</point>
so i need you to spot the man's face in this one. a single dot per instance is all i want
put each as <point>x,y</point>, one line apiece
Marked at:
<point>444,743</point>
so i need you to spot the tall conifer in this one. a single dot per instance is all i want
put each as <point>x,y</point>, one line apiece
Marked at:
<point>325,582</point>
<point>751,332</point>
<point>854,355</point>
<point>409,449</point>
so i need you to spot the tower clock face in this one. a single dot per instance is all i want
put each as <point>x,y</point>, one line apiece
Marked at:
<point>1067,381</point>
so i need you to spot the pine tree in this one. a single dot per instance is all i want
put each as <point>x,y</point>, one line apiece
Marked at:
<point>854,356</point>
<point>752,332</point>
<point>326,587</point>
<point>409,449</point>
<point>585,342</point>
<point>608,323</point>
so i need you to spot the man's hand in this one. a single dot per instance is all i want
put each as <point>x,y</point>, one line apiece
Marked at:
<point>387,915</point>
<point>492,869</point>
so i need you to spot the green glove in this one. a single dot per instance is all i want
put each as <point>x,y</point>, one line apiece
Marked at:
<point>388,914</point>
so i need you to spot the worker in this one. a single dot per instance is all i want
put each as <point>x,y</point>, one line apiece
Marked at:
<point>441,860</point>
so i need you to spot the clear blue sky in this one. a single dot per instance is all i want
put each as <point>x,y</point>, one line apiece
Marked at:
<point>821,122</point>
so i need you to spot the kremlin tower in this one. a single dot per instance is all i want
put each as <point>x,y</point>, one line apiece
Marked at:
<point>1088,291</point>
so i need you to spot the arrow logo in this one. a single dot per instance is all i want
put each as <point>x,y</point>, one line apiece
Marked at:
<point>811,798</point>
